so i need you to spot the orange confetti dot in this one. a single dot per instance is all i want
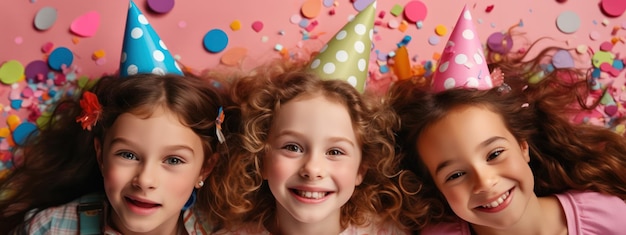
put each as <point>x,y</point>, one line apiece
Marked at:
<point>98,54</point>
<point>235,25</point>
<point>311,8</point>
<point>75,40</point>
<point>403,26</point>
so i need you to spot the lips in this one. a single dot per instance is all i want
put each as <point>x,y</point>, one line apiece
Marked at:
<point>142,203</point>
<point>498,201</point>
<point>309,194</point>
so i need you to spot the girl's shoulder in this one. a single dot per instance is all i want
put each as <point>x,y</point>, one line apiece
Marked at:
<point>66,218</point>
<point>247,229</point>
<point>457,227</point>
<point>382,228</point>
<point>590,212</point>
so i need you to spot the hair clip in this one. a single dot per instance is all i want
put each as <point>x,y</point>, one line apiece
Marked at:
<point>218,125</point>
<point>91,110</point>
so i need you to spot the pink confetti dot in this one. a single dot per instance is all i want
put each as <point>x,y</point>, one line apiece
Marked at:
<point>594,35</point>
<point>19,40</point>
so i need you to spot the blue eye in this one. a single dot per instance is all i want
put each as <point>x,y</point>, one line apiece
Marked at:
<point>127,155</point>
<point>455,176</point>
<point>292,148</point>
<point>494,154</point>
<point>174,161</point>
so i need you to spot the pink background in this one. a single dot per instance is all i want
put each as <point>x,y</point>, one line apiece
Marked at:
<point>183,28</point>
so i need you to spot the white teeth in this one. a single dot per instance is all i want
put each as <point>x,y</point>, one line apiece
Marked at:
<point>498,201</point>
<point>311,195</point>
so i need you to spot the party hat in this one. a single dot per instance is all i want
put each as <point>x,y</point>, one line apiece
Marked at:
<point>346,55</point>
<point>143,51</point>
<point>462,63</point>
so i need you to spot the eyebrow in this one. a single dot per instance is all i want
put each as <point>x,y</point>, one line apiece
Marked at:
<point>333,139</point>
<point>481,145</point>
<point>167,148</point>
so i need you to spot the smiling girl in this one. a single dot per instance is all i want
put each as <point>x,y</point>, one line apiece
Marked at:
<point>130,157</point>
<point>316,157</point>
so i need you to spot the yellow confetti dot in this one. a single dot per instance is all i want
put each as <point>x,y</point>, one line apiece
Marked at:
<point>98,54</point>
<point>581,49</point>
<point>441,30</point>
<point>235,25</point>
<point>619,129</point>
<point>13,121</point>
<point>4,132</point>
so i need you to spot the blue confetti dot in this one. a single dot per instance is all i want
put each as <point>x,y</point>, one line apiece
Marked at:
<point>22,132</point>
<point>215,40</point>
<point>59,57</point>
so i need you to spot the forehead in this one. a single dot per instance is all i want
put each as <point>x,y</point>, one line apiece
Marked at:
<point>156,129</point>
<point>314,113</point>
<point>463,128</point>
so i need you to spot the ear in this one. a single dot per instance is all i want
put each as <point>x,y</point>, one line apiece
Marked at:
<point>359,176</point>
<point>525,150</point>
<point>208,166</point>
<point>97,145</point>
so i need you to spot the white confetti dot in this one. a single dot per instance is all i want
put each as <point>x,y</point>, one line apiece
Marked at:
<point>362,64</point>
<point>162,44</point>
<point>315,64</point>
<point>136,33</point>
<point>444,66</point>
<point>468,34</point>
<point>478,58</point>
<point>158,71</point>
<point>324,48</point>
<point>352,80</point>
<point>360,29</point>
<point>449,83</point>
<point>341,35</point>
<point>467,15</point>
<point>158,55</point>
<point>341,56</point>
<point>329,68</point>
<point>132,69</point>
<point>123,57</point>
<point>142,19</point>
<point>359,47</point>
<point>472,82</point>
<point>460,59</point>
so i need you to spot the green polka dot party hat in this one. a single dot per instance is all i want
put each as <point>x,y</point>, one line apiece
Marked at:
<point>346,55</point>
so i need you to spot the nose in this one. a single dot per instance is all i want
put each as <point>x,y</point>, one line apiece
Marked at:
<point>484,179</point>
<point>146,176</point>
<point>313,167</point>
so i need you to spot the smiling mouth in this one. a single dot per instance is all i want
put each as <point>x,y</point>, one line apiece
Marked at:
<point>497,202</point>
<point>141,204</point>
<point>310,195</point>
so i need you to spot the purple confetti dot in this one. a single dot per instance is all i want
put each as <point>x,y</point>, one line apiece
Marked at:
<point>161,6</point>
<point>36,68</point>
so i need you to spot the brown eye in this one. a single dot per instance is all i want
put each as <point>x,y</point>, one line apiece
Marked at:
<point>292,148</point>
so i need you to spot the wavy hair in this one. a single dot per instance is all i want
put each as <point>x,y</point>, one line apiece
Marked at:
<point>563,156</point>
<point>60,160</point>
<point>261,95</point>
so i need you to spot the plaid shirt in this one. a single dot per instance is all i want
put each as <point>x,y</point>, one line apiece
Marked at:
<point>63,220</point>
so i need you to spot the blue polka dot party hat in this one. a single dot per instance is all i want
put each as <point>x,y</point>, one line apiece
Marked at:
<point>143,50</point>
<point>346,55</point>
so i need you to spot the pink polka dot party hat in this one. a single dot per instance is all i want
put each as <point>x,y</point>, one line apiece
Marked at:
<point>143,50</point>
<point>462,63</point>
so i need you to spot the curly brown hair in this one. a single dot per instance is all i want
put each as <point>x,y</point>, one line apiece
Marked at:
<point>563,156</point>
<point>247,198</point>
<point>60,160</point>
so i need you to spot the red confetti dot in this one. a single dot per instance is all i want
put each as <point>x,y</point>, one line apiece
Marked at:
<point>489,8</point>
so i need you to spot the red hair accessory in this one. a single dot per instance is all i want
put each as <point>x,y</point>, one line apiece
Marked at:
<point>91,110</point>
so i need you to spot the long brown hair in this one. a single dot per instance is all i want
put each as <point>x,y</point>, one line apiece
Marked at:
<point>60,160</point>
<point>564,156</point>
